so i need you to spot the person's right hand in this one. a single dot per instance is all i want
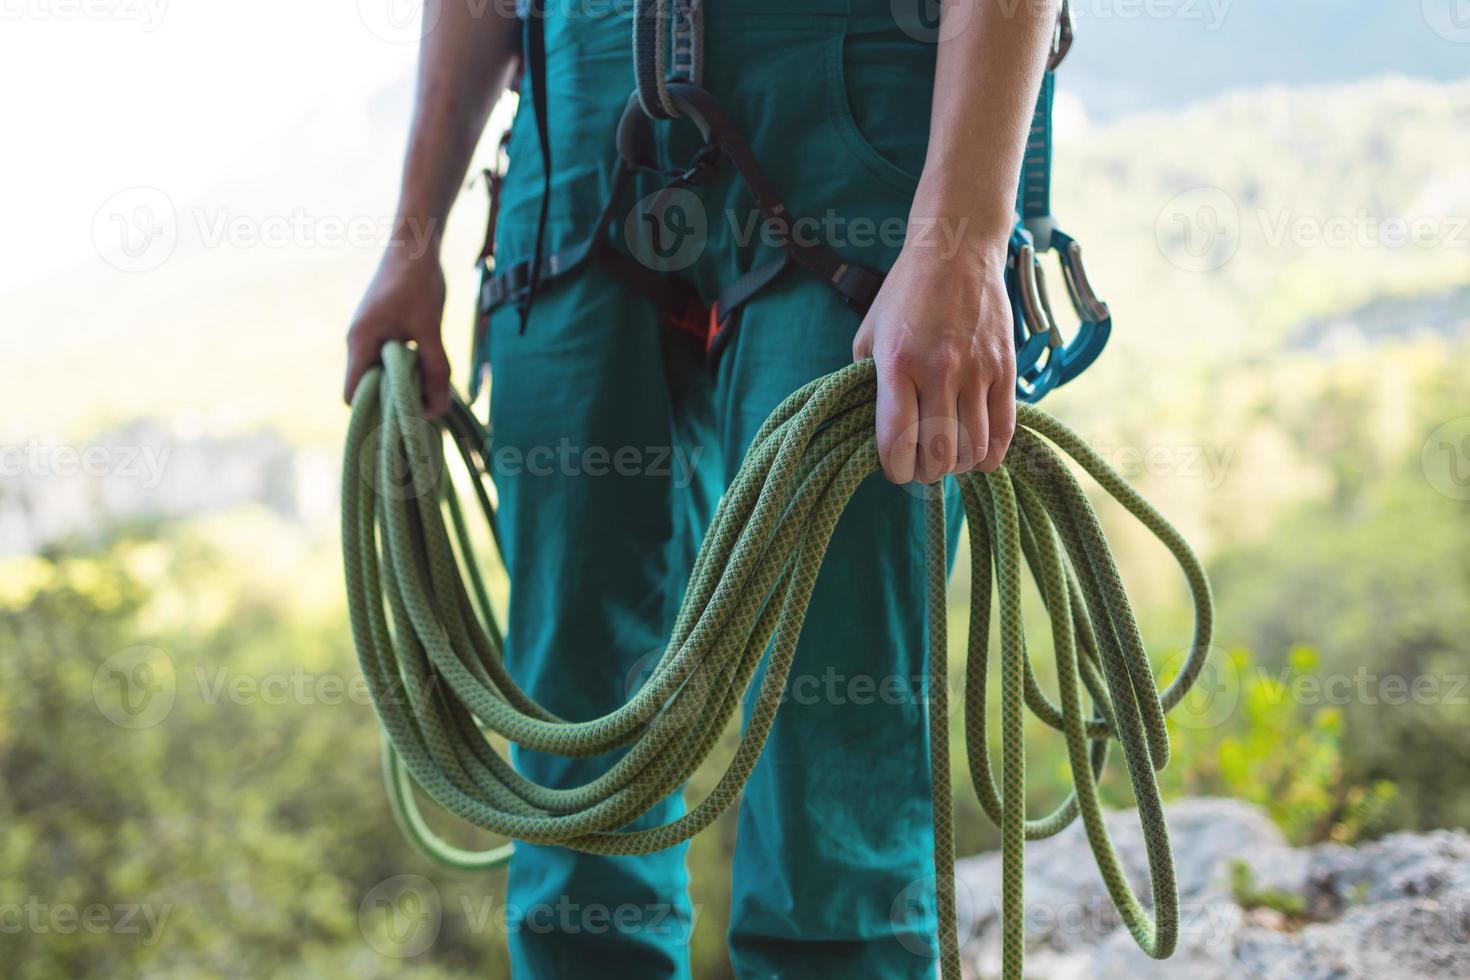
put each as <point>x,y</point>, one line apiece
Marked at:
<point>405,301</point>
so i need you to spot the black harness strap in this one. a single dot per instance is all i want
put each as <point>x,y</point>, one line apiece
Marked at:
<point>745,287</point>
<point>673,295</point>
<point>735,295</point>
<point>1043,359</point>
<point>536,67</point>
<point>857,285</point>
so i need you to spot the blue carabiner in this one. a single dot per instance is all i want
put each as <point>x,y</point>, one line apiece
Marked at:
<point>1096,320</point>
<point>1038,366</point>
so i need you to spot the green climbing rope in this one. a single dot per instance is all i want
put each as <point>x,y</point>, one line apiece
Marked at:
<point>430,649</point>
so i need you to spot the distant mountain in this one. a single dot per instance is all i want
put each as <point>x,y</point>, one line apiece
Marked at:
<point>1446,314</point>
<point>1136,55</point>
<point>153,470</point>
<point>1213,231</point>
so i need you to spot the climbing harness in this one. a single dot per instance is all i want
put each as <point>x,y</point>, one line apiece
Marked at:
<point>1044,359</point>
<point>655,22</point>
<point>431,651</point>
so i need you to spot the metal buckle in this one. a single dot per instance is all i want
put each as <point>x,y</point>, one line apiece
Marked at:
<point>1061,40</point>
<point>702,168</point>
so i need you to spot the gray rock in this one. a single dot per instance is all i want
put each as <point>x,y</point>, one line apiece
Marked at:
<point>1398,866</point>
<point>1399,907</point>
<point>1208,928</point>
<point>1408,939</point>
<point>1067,906</point>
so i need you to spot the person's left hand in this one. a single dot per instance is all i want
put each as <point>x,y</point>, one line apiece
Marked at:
<point>940,332</point>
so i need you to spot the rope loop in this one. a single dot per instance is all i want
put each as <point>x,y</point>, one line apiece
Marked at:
<point>430,648</point>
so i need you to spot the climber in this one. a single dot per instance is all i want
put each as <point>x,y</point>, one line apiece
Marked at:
<point>865,117</point>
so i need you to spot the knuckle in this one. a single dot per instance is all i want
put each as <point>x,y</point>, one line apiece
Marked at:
<point>945,360</point>
<point>898,360</point>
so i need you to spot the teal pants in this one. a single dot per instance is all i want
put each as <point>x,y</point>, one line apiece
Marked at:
<point>612,441</point>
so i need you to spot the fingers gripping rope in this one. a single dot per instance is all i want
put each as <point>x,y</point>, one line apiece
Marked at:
<point>431,651</point>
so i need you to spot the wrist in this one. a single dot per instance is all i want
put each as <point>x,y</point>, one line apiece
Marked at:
<point>963,216</point>
<point>414,236</point>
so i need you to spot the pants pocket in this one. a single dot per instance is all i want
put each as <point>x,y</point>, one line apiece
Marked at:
<point>881,90</point>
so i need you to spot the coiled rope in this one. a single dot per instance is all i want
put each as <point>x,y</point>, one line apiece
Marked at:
<point>431,652</point>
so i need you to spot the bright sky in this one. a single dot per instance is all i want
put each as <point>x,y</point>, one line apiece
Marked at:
<point>193,95</point>
<point>179,94</point>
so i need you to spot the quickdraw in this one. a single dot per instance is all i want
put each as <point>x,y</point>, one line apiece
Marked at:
<point>1044,358</point>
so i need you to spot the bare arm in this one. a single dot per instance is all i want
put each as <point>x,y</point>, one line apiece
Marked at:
<point>465,62</point>
<point>940,329</point>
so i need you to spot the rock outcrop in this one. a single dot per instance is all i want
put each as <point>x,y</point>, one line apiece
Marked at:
<point>1252,907</point>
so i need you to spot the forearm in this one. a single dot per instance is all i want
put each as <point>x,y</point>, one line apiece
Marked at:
<point>465,62</point>
<point>985,85</point>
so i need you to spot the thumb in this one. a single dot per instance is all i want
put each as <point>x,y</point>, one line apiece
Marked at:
<point>434,368</point>
<point>862,343</point>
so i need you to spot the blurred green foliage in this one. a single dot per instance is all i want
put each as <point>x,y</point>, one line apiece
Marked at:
<point>1248,895</point>
<point>1286,759</point>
